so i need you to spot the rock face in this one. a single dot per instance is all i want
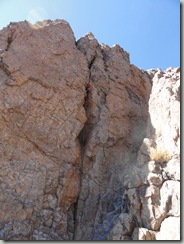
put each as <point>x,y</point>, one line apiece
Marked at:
<point>153,187</point>
<point>43,76</point>
<point>77,165</point>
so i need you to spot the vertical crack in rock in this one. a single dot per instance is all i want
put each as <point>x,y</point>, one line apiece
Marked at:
<point>9,41</point>
<point>70,174</point>
<point>90,66</point>
<point>3,65</point>
<point>72,220</point>
<point>113,121</point>
<point>85,132</point>
<point>83,140</point>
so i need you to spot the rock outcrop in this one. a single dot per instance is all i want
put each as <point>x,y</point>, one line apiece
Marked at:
<point>153,187</point>
<point>77,165</point>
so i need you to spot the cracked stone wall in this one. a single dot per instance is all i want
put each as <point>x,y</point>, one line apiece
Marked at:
<point>42,79</point>
<point>152,211</point>
<point>117,111</point>
<point>71,163</point>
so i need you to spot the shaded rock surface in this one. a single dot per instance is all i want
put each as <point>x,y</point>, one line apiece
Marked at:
<point>77,166</point>
<point>153,187</point>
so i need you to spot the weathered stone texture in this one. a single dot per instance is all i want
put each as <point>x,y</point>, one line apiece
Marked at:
<point>117,114</point>
<point>77,166</point>
<point>42,92</point>
<point>158,182</point>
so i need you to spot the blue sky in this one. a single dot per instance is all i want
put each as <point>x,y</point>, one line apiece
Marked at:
<point>148,29</point>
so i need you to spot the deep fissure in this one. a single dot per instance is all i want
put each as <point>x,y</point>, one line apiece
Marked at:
<point>82,138</point>
<point>102,171</point>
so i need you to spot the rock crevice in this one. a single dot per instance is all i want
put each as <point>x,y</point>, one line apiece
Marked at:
<point>77,165</point>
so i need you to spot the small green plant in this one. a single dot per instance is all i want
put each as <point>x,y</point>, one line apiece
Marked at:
<point>159,155</point>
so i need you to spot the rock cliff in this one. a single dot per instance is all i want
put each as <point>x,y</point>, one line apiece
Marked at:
<point>102,165</point>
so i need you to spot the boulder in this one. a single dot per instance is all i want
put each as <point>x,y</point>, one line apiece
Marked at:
<point>169,230</point>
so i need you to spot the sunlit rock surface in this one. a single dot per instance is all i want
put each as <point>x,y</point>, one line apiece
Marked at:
<point>77,165</point>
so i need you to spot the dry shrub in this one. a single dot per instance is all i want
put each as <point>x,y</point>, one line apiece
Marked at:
<point>159,155</point>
